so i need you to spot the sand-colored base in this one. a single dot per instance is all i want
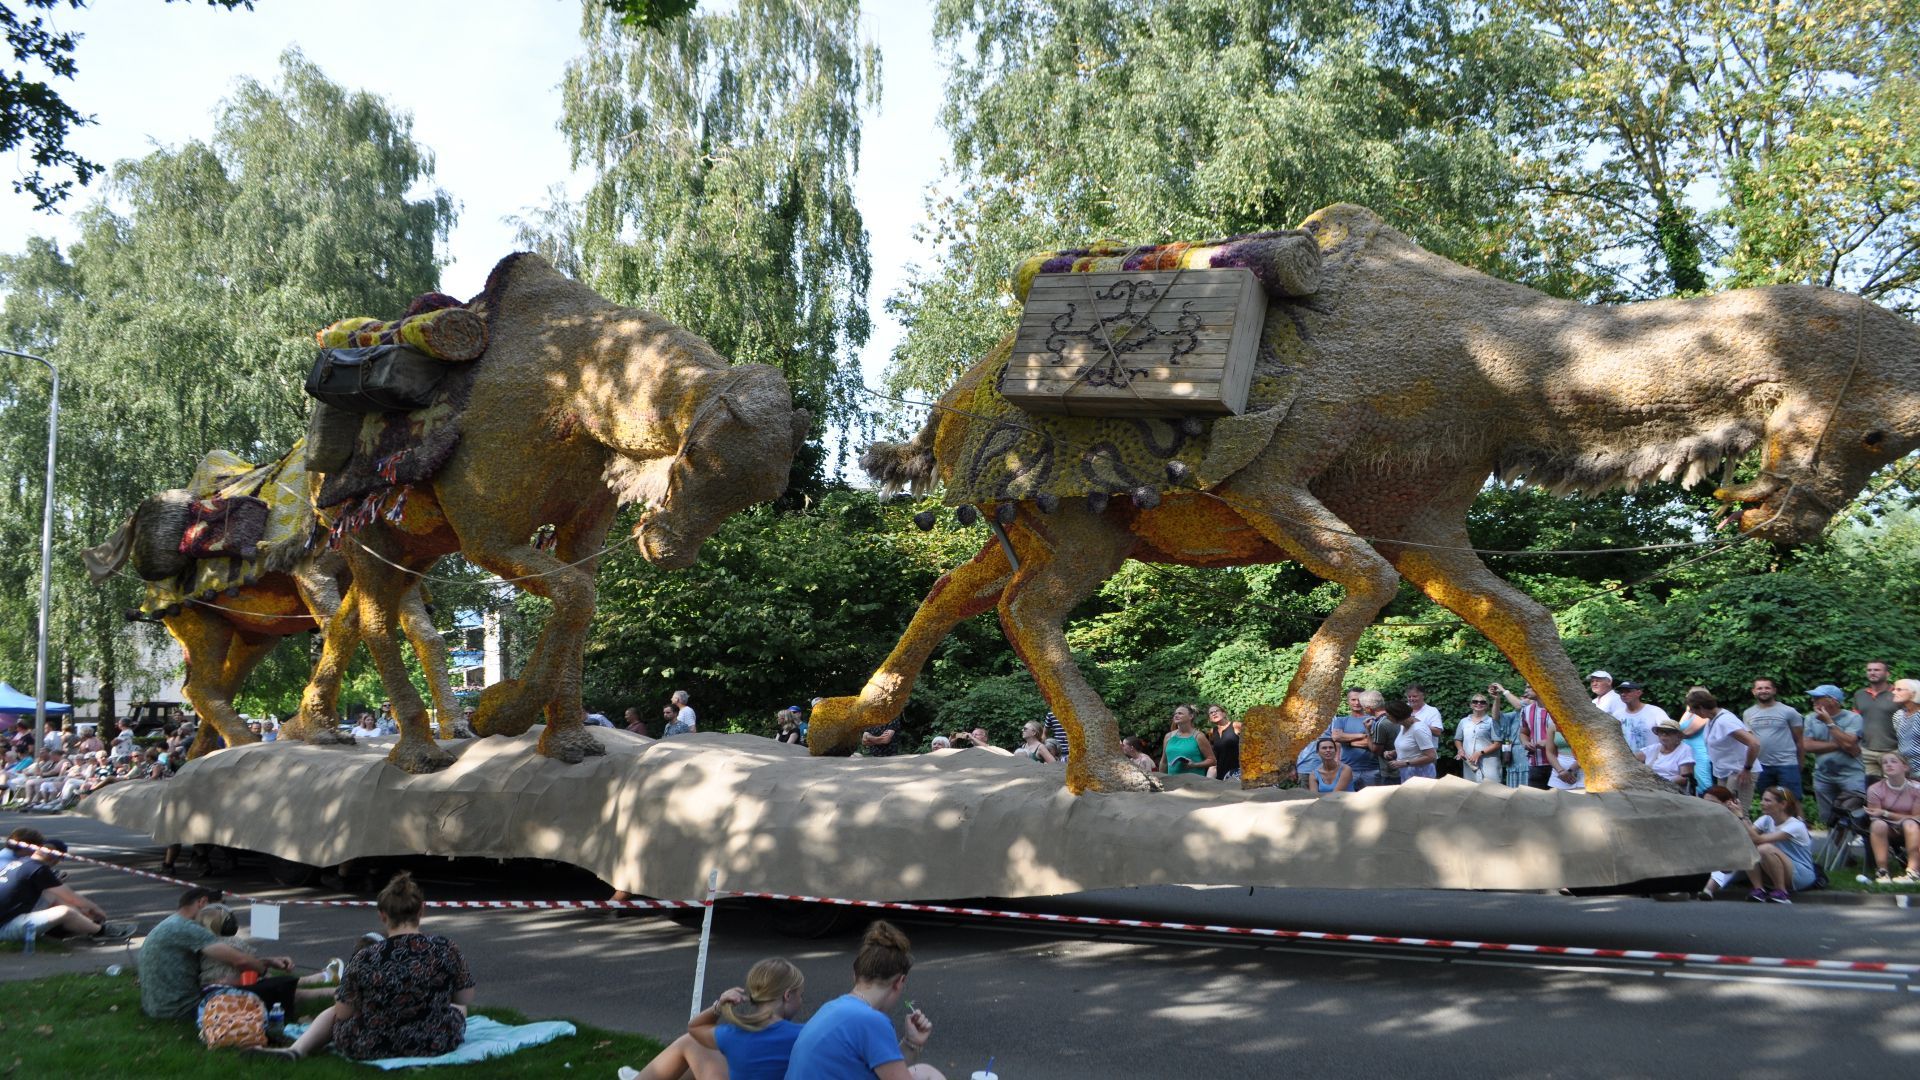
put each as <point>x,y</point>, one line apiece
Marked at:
<point>653,817</point>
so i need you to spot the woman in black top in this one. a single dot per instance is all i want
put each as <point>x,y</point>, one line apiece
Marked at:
<point>1226,744</point>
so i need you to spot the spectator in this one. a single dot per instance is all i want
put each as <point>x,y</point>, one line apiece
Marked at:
<point>25,881</point>
<point>55,741</point>
<point>364,727</point>
<point>1874,702</point>
<point>1057,737</point>
<point>405,996</point>
<point>123,746</point>
<point>1604,697</point>
<point>1185,749</point>
<point>1506,732</point>
<point>1382,732</point>
<point>1781,731</point>
<point>679,716</point>
<point>1474,744</point>
<point>851,1036</point>
<point>1567,775</point>
<point>1906,722</point>
<point>1349,731</point>
<point>1893,802</point>
<point>883,740</point>
<point>939,742</point>
<point>1226,744</point>
<point>1834,736</point>
<point>1136,752</point>
<point>1636,716</point>
<point>1032,745</point>
<point>1414,749</point>
<point>388,725</point>
<point>1720,879</point>
<point>668,715</point>
<point>594,719</point>
<point>787,725</point>
<point>1731,748</point>
<point>1785,848</point>
<point>171,956</point>
<point>1536,732</point>
<point>218,918</point>
<point>634,723</point>
<point>960,741</point>
<point>979,737</point>
<point>1671,759</point>
<point>1416,696</point>
<point>747,1034</point>
<point>1332,775</point>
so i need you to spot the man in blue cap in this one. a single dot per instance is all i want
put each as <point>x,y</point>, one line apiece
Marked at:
<point>1833,733</point>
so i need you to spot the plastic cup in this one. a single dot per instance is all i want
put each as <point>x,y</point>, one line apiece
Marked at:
<point>982,1074</point>
<point>114,970</point>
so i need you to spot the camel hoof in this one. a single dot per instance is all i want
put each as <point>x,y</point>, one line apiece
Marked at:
<point>419,758</point>
<point>1116,776</point>
<point>503,710</point>
<point>570,745</point>
<point>323,737</point>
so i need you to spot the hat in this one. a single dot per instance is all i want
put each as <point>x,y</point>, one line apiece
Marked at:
<point>1628,684</point>
<point>1669,724</point>
<point>1828,690</point>
<point>1599,675</point>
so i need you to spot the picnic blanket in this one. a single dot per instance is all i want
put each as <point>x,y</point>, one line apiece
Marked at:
<point>1286,261</point>
<point>288,537</point>
<point>485,1039</point>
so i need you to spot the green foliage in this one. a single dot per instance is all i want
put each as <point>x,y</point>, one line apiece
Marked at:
<point>724,147</point>
<point>182,321</point>
<point>33,113</point>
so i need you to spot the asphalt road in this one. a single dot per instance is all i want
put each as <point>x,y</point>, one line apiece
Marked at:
<point>1058,1002</point>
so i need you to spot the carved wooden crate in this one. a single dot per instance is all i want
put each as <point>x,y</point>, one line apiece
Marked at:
<point>1146,343</point>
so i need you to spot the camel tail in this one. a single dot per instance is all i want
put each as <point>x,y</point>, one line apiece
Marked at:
<point>908,465</point>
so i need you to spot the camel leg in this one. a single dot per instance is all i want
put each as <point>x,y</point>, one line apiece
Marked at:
<point>430,648</point>
<point>1033,608</point>
<point>1524,631</point>
<point>577,543</point>
<point>206,639</point>
<point>317,723</point>
<point>379,589</point>
<point>960,594</point>
<point>1316,538</point>
<point>510,707</point>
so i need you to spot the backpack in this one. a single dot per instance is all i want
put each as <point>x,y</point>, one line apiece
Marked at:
<point>232,1017</point>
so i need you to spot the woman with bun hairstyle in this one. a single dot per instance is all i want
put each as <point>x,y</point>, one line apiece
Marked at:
<point>747,1034</point>
<point>405,996</point>
<point>851,1037</point>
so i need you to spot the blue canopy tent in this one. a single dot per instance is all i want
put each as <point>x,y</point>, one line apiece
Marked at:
<point>16,706</point>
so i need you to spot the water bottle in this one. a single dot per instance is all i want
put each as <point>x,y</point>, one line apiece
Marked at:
<point>26,944</point>
<point>276,1022</point>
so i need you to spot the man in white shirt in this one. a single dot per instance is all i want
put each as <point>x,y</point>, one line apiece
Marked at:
<point>684,722</point>
<point>1604,698</point>
<point>1424,713</point>
<point>1637,717</point>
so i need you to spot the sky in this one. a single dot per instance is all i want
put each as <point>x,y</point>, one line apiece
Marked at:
<point>481,79</point>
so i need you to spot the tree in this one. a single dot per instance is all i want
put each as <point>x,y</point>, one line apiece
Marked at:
<point>33,112</point>
<point>184,321</point>
<point>1694,143</point>
<point>1148,120</point>
<point>725,147</point>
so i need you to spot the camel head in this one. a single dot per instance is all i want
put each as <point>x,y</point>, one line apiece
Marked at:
<point>1849,406</point>
<point>737,450</point>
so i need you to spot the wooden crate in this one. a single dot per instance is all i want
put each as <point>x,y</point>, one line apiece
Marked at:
<point>1147,343</point>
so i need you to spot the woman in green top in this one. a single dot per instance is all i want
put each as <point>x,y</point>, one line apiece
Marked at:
<point>1186,750</point>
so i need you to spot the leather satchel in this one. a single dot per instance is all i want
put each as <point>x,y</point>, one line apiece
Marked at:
<point>376,379</point>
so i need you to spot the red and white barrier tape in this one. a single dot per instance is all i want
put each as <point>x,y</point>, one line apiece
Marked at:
<point>1577,951</point>
<point>1362,939</point>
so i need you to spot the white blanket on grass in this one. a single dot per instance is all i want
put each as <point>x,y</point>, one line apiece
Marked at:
<point>485,1039</point>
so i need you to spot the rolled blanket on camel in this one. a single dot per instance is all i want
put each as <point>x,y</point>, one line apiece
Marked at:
<point>447,332</point>
<point>1286,261</point>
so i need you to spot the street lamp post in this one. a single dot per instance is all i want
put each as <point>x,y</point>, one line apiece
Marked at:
<point>46,553</point>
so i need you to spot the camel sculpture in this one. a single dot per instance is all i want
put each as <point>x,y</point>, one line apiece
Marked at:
<point>1418,380</point>
<point>578,406</point>
<point>225,635</point>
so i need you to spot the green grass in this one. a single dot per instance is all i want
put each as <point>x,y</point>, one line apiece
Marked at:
<point>91,1025</point>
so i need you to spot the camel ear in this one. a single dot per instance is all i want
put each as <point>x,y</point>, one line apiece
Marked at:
<point>802,424</point>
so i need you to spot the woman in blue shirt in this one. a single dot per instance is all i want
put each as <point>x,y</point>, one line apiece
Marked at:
<point>851,1037</point>
<point>747,1034</point>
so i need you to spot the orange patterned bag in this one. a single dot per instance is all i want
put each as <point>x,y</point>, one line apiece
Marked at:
<point>232,1017</point>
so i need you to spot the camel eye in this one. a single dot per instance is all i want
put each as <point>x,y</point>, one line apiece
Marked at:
<point>1874,438</point>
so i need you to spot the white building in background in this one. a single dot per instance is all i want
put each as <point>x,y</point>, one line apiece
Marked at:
<point>154,670</point>
<point>476,651</point>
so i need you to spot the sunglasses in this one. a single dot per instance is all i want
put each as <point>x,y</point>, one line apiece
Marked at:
<point>1477,701</point>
